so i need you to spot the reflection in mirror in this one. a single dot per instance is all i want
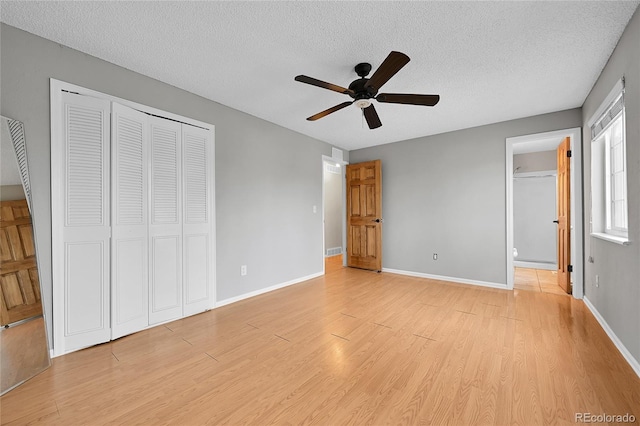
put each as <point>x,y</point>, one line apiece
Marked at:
<point>23,343</point>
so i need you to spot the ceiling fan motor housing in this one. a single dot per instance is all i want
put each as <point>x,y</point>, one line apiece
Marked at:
<point>360,92</point>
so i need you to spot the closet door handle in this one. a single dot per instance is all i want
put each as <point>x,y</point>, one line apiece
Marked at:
<point>555,221</point>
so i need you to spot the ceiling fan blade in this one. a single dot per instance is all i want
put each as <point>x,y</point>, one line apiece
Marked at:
<point>329,111</point>
<point>371,116</point>
<point>319,83</point>
<point>402,98</point>
<point>389,67</point>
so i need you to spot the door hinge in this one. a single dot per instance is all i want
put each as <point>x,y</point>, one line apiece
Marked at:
<point>570,268</point>
<point>569,153</point>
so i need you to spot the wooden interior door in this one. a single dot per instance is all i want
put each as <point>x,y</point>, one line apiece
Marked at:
<point>19,284</point>
<point>364,215</point>
<point>563,205</point>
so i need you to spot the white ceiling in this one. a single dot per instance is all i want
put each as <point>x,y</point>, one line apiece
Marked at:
<point>489,61</point>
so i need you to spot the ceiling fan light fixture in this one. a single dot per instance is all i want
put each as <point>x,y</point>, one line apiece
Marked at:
<point>363,103</point>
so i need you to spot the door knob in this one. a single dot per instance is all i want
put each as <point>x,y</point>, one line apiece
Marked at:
<point>377,220</point>
<point>555,221</point>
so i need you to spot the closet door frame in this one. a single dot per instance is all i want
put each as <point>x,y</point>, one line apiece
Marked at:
<point>56,88</point>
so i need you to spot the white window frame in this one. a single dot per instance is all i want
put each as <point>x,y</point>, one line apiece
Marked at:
<point>610,187</point>
<point>602,184</point>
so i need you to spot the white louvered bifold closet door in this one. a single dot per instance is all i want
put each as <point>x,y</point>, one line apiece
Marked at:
<point>80,203</point>
<point>165,227</point>
<point>197,158</point>
<point>133,219</point>
<point>130,240</point>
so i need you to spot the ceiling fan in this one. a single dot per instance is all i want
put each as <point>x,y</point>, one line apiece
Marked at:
<point>364,90</point>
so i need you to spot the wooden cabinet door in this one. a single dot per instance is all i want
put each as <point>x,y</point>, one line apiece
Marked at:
<point>19,284</point>
<point>364,215</point>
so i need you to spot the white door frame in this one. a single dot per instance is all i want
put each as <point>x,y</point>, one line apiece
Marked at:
<point>343,165</point>
<point>577,255</point>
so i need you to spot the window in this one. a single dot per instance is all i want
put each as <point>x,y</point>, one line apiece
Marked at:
<point>608,169</point>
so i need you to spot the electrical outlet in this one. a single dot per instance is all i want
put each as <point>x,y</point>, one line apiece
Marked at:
<point>243,270</point>
<point>315,209</point>
<point>435,256</point>
<point>597,281</point>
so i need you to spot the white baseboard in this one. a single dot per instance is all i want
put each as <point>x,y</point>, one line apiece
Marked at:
<point>443,278</point>
<point>535,265</point>
<point>266,290</point>
<point>635,365</point>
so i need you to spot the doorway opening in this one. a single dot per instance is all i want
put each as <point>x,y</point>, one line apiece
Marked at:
<point>529,175</point>
<point>534,231</point>
<point>334,211</point>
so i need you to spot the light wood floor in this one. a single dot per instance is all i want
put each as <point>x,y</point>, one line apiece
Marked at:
<point>538,280</point>
<point>351,347</point>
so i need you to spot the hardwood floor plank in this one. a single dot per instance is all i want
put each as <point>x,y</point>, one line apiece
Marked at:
<point>351,347</point>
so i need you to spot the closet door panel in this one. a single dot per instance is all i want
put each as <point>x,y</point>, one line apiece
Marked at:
<point>80,220</point>
<point>197,289</point>
<point>166,290</point>
<point>85,290</point>
<point>130,241</point>
<point>198,258</point>
<point>129,276</point>
<point>165,227</point>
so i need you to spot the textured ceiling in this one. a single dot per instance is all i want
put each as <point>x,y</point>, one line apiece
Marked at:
<point>489,61</point>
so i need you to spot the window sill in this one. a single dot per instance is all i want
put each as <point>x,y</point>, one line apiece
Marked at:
<point>612,238</point>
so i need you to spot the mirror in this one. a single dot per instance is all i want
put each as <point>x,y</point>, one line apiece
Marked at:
<point>24,351</point>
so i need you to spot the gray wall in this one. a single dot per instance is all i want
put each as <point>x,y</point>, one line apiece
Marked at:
<point>332,210</point>
<point>267,178</point>
<point>445,194</point>
<point>618,267</point>
<point>535,161</point>
<point>11,193</point>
